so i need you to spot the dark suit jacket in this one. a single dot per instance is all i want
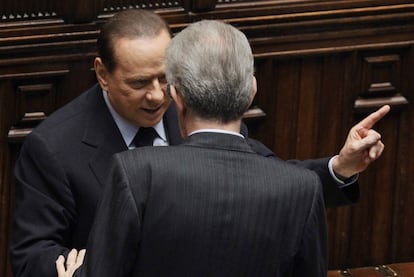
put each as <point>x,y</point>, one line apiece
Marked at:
<point>60,173</point>
<point>209,207</point>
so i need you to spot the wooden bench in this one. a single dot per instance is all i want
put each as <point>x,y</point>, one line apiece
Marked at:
<point>389,270</point>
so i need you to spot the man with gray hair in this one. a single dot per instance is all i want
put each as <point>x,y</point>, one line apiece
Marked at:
<point>210,206</point>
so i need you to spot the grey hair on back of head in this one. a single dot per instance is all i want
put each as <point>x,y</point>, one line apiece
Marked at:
<point>211,64</point>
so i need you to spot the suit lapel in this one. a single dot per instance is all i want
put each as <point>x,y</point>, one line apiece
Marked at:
<point>101,133</point>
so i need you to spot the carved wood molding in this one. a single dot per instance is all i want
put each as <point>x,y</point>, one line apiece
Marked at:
<point>199,6</point>
<point>35,98</point>
<point>367,105</point>
<point>75,11</point>
<point>81,11</point>
<point>36,74</point>
<point>254,113</point>
<point>285,32</point>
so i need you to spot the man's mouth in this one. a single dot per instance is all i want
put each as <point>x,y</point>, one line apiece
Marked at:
<point>152,110</point>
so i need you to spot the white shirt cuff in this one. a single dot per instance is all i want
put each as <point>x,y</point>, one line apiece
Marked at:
<point>341,184</point>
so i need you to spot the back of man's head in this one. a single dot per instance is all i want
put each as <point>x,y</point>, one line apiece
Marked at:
<point>131,24</point>
<point>210,63</point>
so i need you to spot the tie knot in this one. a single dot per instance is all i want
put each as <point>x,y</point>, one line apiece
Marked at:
<point>145,137</point>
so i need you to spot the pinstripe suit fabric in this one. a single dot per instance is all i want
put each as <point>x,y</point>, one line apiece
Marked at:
<point>209,207</point>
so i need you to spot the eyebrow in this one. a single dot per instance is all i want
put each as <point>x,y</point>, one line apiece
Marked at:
<point>144,78</point>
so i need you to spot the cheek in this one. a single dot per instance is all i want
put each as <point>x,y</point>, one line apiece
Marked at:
<point>135,96</point>
<point>129,94</point>
<point>127,99</point>
<point>133,101</point>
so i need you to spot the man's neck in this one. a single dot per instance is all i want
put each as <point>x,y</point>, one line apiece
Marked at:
<point>194,125</point>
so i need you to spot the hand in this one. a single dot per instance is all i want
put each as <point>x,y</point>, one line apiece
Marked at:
<point>74,261</point>
<point>362,146</point>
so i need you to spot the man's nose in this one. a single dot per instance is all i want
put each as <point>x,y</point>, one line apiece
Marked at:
<point>157,91</point>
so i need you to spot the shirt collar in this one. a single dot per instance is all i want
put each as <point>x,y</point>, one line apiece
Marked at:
<point>216,131</point>
<point>127,129</point>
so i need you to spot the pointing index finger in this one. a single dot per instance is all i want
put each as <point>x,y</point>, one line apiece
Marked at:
<point>369,121</point>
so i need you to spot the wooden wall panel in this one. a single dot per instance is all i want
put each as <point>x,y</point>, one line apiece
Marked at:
<point>353,66</point>
<point>310,105</point>
<point>7,159</point>
<point>403,238</point>
<point>302,92</point>
<point>321,66</point>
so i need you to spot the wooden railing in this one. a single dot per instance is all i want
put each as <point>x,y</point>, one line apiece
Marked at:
<point>389,270</point>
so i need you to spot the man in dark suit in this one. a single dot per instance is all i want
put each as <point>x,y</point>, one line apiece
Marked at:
<point>210,206</point>
<point>64,163</point>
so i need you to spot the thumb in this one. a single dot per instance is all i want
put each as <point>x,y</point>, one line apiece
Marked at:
<point>371,138</point>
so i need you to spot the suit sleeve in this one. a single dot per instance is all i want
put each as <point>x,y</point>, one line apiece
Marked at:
<point>333,195</point>
<point>311,257</point>
<point>44,211</point>
<point>113,243</point>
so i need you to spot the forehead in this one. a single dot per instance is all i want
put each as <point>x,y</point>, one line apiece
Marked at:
<point>141,54</point>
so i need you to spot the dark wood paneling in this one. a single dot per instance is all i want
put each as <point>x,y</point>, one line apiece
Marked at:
<point>321,66</point>
<point>310,107</point>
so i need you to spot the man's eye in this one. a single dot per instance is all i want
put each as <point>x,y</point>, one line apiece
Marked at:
<point>162,79</point>
<point>139,84</point>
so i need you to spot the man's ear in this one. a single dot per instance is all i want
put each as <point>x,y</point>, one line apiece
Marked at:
<point>181,110</point>
<point>176,97</point>
<point>254,89</point>
<point>101,73</point>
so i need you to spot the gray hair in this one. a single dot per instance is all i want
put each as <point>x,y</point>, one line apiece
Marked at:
<point>211,65</point>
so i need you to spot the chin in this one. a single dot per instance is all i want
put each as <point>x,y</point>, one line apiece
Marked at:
<point>151,122</point>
